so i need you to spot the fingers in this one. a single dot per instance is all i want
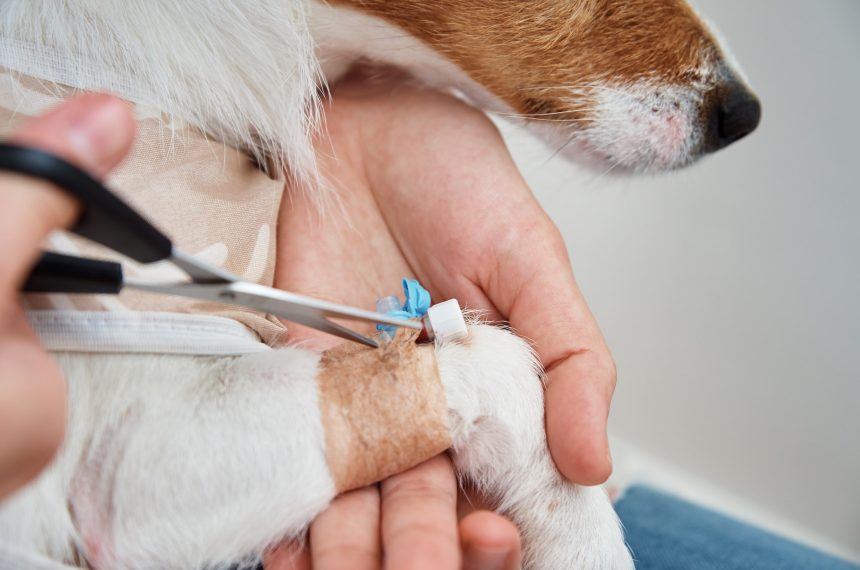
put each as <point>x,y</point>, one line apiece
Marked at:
<point>419,522</point>
<point>418,526</point>
<point>578,395</point>
<point>419,529</point>
<point>32,405</point>
<point>544,304</point>
<point>93,131</point>
<point>489,542</point>
<point>346,535</point>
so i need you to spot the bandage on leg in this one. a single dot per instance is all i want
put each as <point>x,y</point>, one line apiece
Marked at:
<point>383,410</point>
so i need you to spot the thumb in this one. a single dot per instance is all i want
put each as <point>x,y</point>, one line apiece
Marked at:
<point>93,131</point>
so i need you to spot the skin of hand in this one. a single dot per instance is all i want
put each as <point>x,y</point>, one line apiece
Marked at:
<point>424,187</point>
<point>94,132</point>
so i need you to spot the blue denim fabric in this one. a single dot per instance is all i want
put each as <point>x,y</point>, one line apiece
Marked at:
<point>666,533</point>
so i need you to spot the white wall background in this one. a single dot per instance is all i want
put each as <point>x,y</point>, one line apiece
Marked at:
<point>730,292</point>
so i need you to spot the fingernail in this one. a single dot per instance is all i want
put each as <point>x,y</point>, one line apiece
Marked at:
<point>99,132</point>
<point>476,559</point>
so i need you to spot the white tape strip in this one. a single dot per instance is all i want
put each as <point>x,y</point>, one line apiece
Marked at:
<point>143,332</point>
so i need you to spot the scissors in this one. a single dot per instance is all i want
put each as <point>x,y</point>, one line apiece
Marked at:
<point>109,221</point>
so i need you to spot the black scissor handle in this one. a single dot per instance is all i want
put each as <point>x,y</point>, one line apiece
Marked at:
<point>105,218</point>
<point>58,273</point>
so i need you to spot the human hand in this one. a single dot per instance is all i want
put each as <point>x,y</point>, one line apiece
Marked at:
<point>428,190</point>
<point>95,132</point>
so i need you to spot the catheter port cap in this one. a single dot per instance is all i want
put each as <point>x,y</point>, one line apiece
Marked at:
<point>446,321</point>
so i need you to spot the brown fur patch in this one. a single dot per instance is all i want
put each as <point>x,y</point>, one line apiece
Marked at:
<point>530,52</point>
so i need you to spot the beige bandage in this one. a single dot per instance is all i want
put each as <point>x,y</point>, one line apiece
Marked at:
<point>383,410</point>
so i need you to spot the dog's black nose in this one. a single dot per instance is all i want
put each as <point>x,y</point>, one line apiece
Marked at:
<point>734,113</point>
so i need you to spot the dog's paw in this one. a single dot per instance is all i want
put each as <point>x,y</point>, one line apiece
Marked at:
<point>496,417</point>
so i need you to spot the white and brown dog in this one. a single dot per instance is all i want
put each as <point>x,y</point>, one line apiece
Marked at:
<point>193,460</point>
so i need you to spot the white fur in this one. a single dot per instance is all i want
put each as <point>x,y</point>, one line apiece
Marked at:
<point>244,72</point>
<point>643,126</point>
<point>189,462</point>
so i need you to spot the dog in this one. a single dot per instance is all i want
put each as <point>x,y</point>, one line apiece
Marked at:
<point>201,459</point>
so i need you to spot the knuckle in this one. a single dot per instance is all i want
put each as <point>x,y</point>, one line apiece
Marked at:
<point>606,369</point>
<point>432,479</point>
<point>359,502</point>
<point>602,366</point>
<point>417,489</point>
<point>345,555</point>
<point>423,534</point>
<point>423,545</point>
<point>553,239</point>
<point>611,372</point>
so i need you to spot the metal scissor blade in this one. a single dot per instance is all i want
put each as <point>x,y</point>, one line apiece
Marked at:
<point>327,326</point>
<point>308,311</point>
<point>291,306</point>
<point>200,271</point>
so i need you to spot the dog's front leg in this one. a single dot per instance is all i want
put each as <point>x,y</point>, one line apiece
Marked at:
<point>186,462</point>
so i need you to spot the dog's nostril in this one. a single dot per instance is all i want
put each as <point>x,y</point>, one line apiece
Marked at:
<point>735,114</point>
